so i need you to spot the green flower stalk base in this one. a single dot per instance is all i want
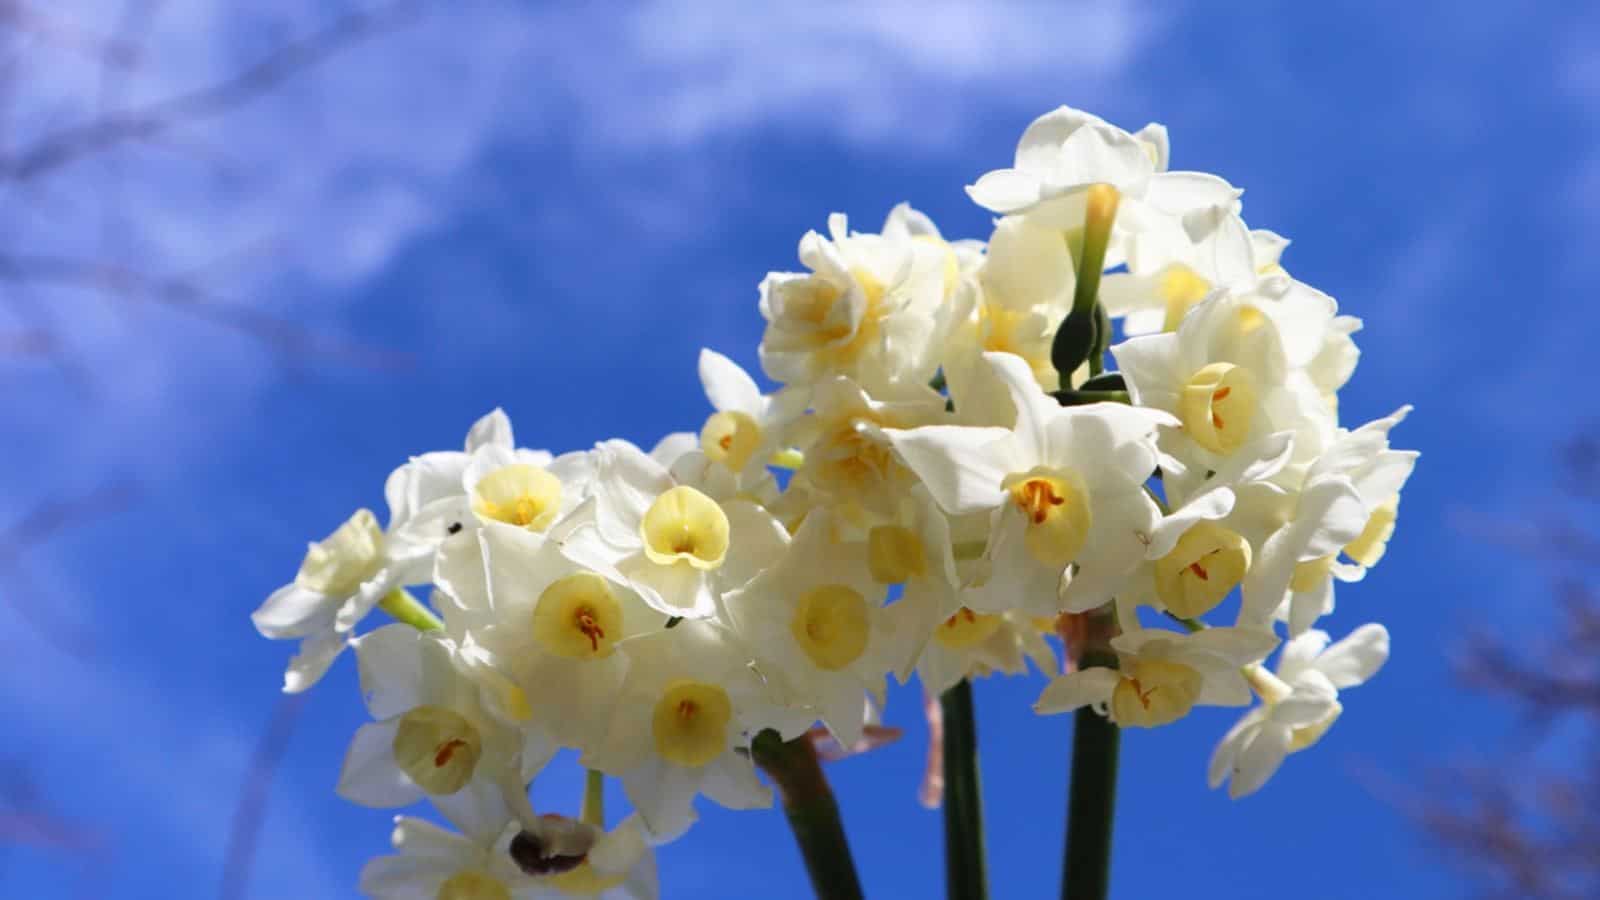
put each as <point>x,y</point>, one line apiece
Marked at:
<point>813,813</point>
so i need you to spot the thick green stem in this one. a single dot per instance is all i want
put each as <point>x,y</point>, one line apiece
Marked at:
<point>403,607</point>
<point>1090,808</point>
<point>1092,795</point>
<point>594,799</point>
<point>965,875</point>
<point>813,813</point>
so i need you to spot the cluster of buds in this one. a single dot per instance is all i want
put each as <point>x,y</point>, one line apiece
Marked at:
<point>943,482</point>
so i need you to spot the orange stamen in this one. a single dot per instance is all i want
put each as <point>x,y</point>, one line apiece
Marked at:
<point>441,757</point>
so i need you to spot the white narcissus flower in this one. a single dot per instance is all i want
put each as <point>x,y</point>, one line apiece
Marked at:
<point>340,580</point>
<point>1064,152</point>
<point>816,626</point>
<point>682,725</point>
<point>1299,704</point>
<point>970,644</point>
<point>619,866</point>
<point>848,460</point>
<point>548,645</point>
<point>434,863</point>
<point>433,737</point>
<point>1161,675</point>
<point>674,544</point>
<point>1171,270</point>
<point>1025,291</point>
<point>747,427</point>
<point>1065,487</point>
<point>1361,477</point>
<point>867,310</point>
<point>1226,377</point>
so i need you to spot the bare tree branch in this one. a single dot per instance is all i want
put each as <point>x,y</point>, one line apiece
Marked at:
<point>248,815</point>
<point>69,144</point>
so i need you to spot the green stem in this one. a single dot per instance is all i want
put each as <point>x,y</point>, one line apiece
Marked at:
<point>403,607</point>
<point>813,813</point>
<point>594,799</point>
<point>1090,807</point>
<point>965,878</point>
<point>1092,794</point>
<point>1079,398</point>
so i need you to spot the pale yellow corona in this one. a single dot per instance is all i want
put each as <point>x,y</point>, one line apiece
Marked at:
<point>1180,288</point>
<point>578,617</point>
<point>437,748</point>
<point>895,554</point>
<point>519,494</point>
<point>831,625</point>
<point>338,564</point>
<point>690,724</point>
<point>1306,735</point>
<point>966,628</point>
<point>684,525</point>
<point>1207,563</point>
<point>1310,575</point>
<point>1057,509</point>
<point>1370,544</point>
<point>469,885</point>
<point>730,437</point>
<point>1218,406</point>
<point>1154,692</point>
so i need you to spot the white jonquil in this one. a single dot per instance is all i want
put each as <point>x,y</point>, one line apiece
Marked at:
<point>941,482</point>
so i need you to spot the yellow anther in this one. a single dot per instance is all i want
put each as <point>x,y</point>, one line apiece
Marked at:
<point>437,748</point>
<point>578,617</point>
<point>1057,511</point>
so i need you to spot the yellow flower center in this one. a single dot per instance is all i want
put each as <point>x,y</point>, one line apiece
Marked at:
<point>1206,564</point>
<point>1218,406</point>
<point>684,525</point>
<point>519,494</point>
<point>584,881</point>
<point>730,438</point>
<point>1181,288</point>
<point>831,625</point>
<point>966,628</point>
<point>340,562</point>
<point>578,617</point>
<point>1057,509</point>
<point>469,885</point>
<point>1154,692</point>
<point>437,748</point>
<point>895,554</point>
<point>690,724</point>
<point>1370,544</point>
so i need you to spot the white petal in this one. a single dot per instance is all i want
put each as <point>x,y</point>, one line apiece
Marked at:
<point>1356,658</point>
<point>1034,408</point>
<point>729,387</point>
<point>308,666</point>
<point>1207,507</point>
<point>1238,646</point>
<point>1259,759</point>
<point>389,660</point>
<point>369,776</point>
<point>962,467</point>
<point>1087,687</point>
<point>731,781</point>
<point>1227,750</point>
<point>292,611</point>
<point>493,429</point>
<point>1005,191</point>
<point>479,810</point>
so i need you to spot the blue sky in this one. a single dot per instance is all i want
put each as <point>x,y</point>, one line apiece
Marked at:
<point>554,210</point>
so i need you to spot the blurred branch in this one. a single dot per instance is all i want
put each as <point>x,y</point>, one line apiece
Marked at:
<point>187,296</point>
<point>245,831</point>
<point>110,129</point>
<point>67,35</point>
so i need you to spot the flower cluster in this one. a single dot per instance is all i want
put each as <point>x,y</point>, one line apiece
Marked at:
<point>943,483</point>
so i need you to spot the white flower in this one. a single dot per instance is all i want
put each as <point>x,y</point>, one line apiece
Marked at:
<point>434,863</point>
<point>866,310</point>
<point>747,426</point>
<point>1226,376</point>
<point>1026,291</point>
<point>1349,505</point>
<point>816,626</point>
<point>969,644</point>
<point>679,548</point>
<point>432,736</point>
<point>1065,487</point>
<point>341,579</point>
<point>1299,705</point>
<point>1064,152</point>
<point>848,460</point>
<point>549,633</point>
<point>1161,675</point>
<point>682,725</point>
<point>1171,270</point>
<point>619,866</point>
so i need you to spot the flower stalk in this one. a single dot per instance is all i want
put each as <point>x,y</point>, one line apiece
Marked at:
<point>1092,795</point>
<point>813,813</point>
<point>402,607</point>
<point>965,874</point>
